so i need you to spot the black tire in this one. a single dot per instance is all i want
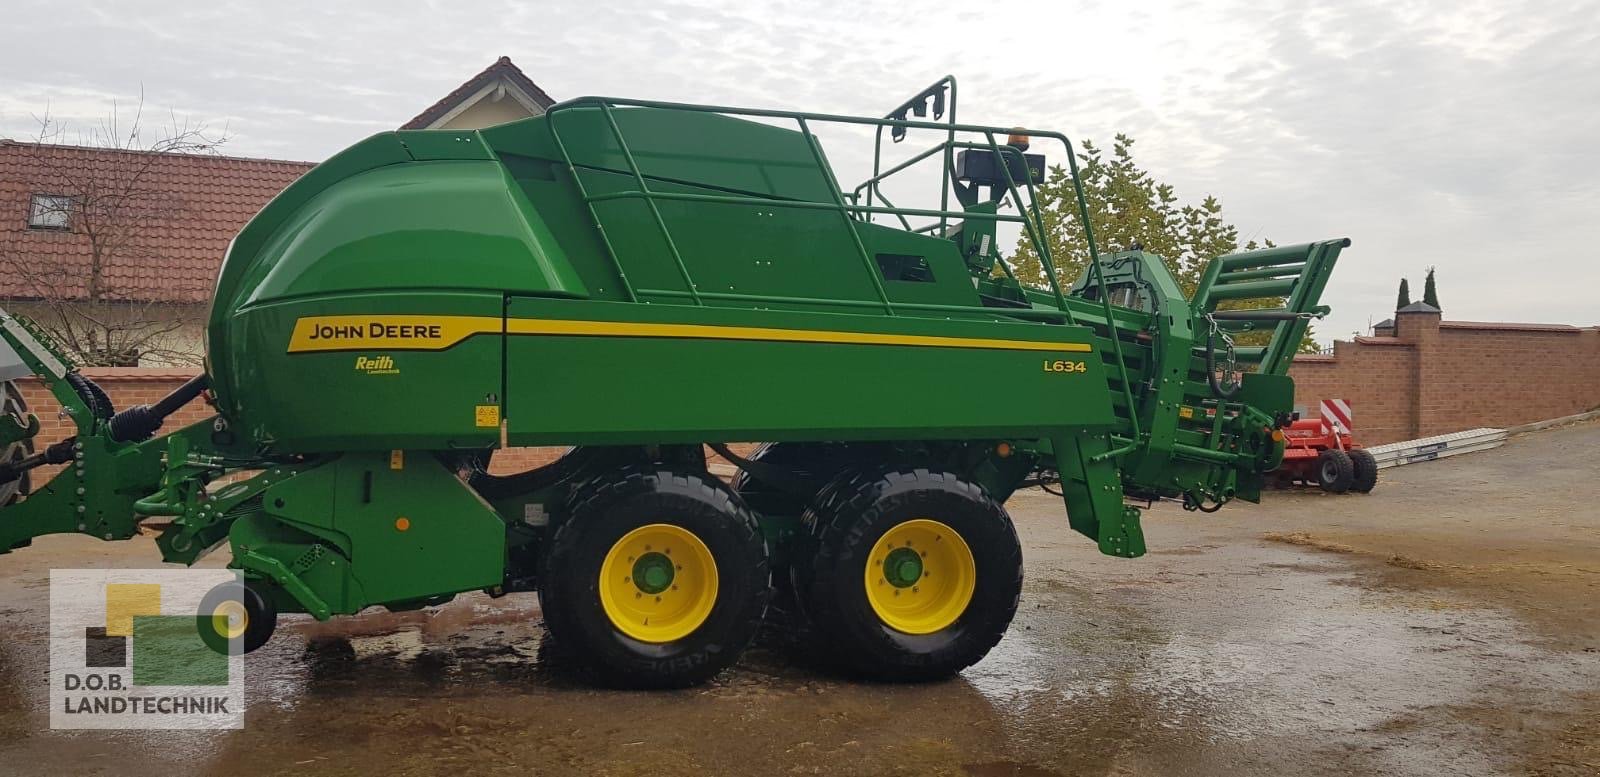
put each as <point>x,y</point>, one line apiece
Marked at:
<point>850,517</point>
<point>1335,471</point>
<point>818,462</point>
<point>13,405</point>
<point>604,510</point>
<point>1365,477</point>
<point>261,615</point>
<point>765,499</point>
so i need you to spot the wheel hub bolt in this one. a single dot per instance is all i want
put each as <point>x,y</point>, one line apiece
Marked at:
<point>654,573</point>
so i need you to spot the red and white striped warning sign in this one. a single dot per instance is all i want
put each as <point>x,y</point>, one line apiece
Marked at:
<point>1337,413</point>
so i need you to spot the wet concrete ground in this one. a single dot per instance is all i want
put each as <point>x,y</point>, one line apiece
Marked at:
<point>1446,624</point>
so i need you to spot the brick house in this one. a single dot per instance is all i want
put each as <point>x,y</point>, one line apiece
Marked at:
<point>155,266</point>
<point>163,274</point>
<point>501,93</point>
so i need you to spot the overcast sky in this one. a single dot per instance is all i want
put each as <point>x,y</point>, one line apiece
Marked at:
<point>1459,134</point>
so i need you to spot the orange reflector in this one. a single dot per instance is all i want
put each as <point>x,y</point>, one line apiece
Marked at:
<point>1003,450</point>
<point>402,523</point>
<point>1277,435</point>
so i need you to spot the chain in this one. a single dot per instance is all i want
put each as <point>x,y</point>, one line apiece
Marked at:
<point>1221,386</point>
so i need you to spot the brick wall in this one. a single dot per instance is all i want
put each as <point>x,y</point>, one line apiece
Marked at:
<point>1425,376</point>
<point>1380,398</point>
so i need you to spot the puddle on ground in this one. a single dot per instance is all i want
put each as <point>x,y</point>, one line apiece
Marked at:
<point>1225,660</point>
<point>1252,655</point>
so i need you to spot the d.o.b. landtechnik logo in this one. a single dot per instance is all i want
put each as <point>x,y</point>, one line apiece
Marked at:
<point>146,649</point>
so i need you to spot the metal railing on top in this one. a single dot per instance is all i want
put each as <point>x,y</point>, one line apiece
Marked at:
<point>941,226</point>
<point>1029,217</point>
<point>917,105</point>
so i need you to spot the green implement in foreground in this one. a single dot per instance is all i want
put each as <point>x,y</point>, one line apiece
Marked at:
<point>640,280</point>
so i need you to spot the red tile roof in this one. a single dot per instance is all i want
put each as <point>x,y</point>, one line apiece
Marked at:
<point>204,200</point>
<point>502,68</point>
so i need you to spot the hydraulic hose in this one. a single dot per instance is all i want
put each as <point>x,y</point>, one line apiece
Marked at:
<point>138,423</point>
<point>1191,502</point>
<point>93,396</point>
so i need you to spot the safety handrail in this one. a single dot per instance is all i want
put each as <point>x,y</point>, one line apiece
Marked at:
<point>1033,227</point>
<point>661,223</point>
<point>935,91</point>
<point>844,213</point>
<point>987,131</point>
<point>839,205</point>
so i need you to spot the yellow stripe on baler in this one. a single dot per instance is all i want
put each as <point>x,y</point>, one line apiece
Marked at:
<point>435,333</point>
<point>534,326</point>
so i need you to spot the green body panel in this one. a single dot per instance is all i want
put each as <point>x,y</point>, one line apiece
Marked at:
<point>643,390</point>
<point>729,248</point>
<point>737,249</point>
<point>637,279</point>
<point>430,225</point>
<point>705,149</point>
<point>360,531</point>
<point>420,399</point>
<point>377,151</point>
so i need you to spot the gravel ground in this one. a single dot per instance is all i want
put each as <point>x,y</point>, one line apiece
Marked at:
<point>1445,624</point>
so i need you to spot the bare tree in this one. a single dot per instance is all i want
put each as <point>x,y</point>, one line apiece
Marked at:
<point>111,302</point>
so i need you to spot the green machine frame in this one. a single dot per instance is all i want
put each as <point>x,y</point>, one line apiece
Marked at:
<point>1129,390</point>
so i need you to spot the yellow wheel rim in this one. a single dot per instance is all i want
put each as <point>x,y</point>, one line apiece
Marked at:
<point>920,576</point>
<point>229,619</point>
<point>658,583</point>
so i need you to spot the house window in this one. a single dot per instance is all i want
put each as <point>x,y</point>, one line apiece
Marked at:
<point>50,211</point>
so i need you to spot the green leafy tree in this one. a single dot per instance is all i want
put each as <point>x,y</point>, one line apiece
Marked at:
<point>1405,294</point>
<point>1128,206</point>
<point>1430,294</point>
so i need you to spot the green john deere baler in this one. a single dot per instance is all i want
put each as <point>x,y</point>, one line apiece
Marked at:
<point>638,281</point>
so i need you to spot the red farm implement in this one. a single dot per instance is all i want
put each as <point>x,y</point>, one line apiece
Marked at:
<point>1322,451</point>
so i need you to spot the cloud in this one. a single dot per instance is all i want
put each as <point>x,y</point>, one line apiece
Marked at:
<point>1456,134</point>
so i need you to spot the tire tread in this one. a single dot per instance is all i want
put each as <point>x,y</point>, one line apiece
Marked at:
<point>558,595</point>
<point>836,519</point>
